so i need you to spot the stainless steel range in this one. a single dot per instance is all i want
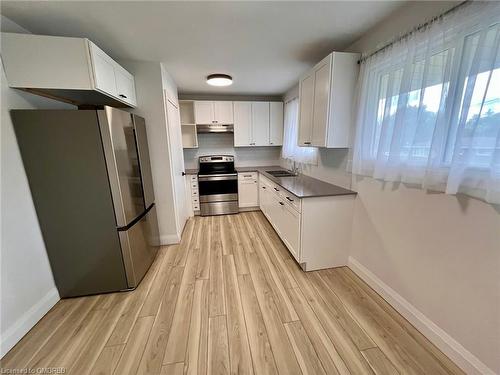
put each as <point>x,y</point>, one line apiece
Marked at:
<point>218,185</point>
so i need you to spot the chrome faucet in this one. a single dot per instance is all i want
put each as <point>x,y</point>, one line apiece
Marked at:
<point>295,169</point>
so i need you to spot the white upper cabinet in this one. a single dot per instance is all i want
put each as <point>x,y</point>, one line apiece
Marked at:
<point>204,112</point>
<point>306,95</point>
<point>74,70</point>
<point>242,123</point>
<point>125,85</point>
<point>210,112</point>
<point>276,123</point>
<point>258,124</point>
<point>326,95</point>
<point>104,71</point>
<point>111,78</point>
<point>223,112</point>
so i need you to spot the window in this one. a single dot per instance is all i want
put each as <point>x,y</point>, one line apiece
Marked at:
<point>429,108</point>
<point>291,150</point>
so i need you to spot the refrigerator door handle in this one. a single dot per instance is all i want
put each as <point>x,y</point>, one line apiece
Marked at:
<point>138,218</point>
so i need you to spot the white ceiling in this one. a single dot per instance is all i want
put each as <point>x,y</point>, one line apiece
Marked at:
<point>265,46</point>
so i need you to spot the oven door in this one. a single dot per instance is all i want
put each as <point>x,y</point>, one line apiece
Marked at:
<point>218,187</point>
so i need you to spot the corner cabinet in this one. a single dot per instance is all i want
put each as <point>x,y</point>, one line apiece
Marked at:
<point>326,100</point>
<point>316,230</point>
<point>73,70</point>
<point>258,124</point>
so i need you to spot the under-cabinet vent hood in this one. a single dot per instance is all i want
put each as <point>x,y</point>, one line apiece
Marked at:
<point>215,128</point>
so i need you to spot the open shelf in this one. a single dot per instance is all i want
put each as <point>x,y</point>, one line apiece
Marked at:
<point>189,136</point>
<point>186,109</point>
<point>188,126</point>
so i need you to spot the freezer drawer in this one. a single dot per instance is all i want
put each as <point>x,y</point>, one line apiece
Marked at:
<point>139,246</point>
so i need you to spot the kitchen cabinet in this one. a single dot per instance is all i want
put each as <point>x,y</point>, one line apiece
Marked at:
<point>188,126</point>
<point>192,194</point>
<point>223,112</point>
<point>125,84</point>
<point>306,99</point>
<point>276,123</point>
<point>213,112</point>
<point>72,70</point>
<point>316,230</point>
<point>258,124</point>
<point>242,123</point>
<point>248,191</point>
<point>326,99</point>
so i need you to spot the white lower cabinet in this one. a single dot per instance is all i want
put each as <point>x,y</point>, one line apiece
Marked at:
<point>316,230</point>
<point>248,191</point>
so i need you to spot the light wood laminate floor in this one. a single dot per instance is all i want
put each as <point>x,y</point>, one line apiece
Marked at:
<point>230,299</point>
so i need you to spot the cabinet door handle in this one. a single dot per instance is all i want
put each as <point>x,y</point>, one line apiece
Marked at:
<point>291,200</point>
<point>183,173</point>
<point>276,189</point>
<point>123,96</point>
<point>263,187</point>
<point>307,143</point>
<point>281,203</point>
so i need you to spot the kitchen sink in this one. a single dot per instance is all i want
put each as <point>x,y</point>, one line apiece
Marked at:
<point>281,173</point>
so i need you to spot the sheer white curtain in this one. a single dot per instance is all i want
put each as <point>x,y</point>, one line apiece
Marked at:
<point>291,151</point>
<point>429,107</point>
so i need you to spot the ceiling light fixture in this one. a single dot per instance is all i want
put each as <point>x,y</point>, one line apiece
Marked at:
<point>219,80</point>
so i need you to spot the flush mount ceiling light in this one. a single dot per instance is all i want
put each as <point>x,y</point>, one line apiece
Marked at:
<point>219,80</point>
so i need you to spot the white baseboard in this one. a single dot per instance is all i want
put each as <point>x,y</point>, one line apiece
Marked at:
<point>467,361</point>
<point>25,322</point>
<point>169,239</point>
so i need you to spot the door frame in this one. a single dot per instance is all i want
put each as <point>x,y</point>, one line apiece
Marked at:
<point>179,224</point>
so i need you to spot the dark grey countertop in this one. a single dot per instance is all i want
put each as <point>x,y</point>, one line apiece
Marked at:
<point>302,186</point>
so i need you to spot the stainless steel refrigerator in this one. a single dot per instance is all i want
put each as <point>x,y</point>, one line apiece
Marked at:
<point>90,177</point>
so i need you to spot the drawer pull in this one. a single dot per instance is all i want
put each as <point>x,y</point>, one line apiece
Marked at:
<point>123,96</point>
<point>263,187</point>
<point>276,189</point>
<point>291,200</point>
<point>281,203</point>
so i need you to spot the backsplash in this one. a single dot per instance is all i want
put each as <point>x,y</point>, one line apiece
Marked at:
<point>214,144</point>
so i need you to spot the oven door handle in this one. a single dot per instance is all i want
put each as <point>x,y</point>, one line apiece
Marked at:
<point>217,177</point>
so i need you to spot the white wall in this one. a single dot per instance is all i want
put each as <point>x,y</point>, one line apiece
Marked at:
<point>27,289</point>
<point>439,253</point>
<point>214,144</point>
<point>150,105</point>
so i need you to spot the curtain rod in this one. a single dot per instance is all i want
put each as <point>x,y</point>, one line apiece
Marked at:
<point>413,31</point>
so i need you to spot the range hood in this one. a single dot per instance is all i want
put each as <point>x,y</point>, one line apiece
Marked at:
<point>215,128</point>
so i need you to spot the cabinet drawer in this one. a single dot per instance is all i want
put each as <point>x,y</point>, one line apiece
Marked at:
<point>248,176</point>
<point>291,199</point>
<point>194,192</point>
<point>196,207</point>
<point>193,178</point>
